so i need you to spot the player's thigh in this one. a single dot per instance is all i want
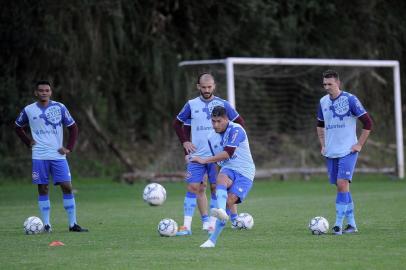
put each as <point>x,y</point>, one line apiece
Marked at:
<point>346,166</point>
<point>332,169</point>
<point>60,171</point>
<point>225,178</point>
<point>240,188</point>
<point>40,171</point>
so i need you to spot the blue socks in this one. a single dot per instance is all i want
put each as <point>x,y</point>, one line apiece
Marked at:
<point>341,207</point>
<point>349,214</point>
<point>219,228</point>
<point>189,204</point>
<point>221,194</point>
<point>45,208</point>
<point>213,201</point>
<point>70,208</point>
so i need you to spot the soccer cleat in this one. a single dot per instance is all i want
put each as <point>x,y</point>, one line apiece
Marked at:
<point>220,214</point>
<point>336,230</point>
<point>208,244</point>
<point>47,228</point>
<point>350,229</point>
<point>77,228</point>
<point>183,230</point>
<point>234,225</point>
<point>206,226</point>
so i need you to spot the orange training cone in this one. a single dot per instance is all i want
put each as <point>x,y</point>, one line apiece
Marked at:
<point>56,244</point>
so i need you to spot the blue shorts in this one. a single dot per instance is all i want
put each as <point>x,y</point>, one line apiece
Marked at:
<point>241,184</point>
<point>41,169</point>
<point>341,168</point>
<point>195,172</point>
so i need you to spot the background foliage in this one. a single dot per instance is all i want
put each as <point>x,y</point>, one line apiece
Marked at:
<point>117,60</point>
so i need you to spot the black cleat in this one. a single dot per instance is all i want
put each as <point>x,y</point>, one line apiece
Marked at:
<point>77,228</point>
<point>350,229</point>
<point>336,230</point>
<point>47,228</point>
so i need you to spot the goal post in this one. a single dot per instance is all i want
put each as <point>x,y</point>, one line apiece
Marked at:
<point>231,62</point>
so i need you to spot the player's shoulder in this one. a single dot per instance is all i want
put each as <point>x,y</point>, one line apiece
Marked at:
<point>235,127</point>
<point>31,106</point>
<point>325,98</point>
<point>57,103</point>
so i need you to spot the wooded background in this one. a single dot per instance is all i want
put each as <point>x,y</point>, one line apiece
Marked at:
<point>113,63</point>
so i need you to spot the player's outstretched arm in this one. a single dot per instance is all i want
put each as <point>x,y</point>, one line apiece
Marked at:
<point>223,155</point>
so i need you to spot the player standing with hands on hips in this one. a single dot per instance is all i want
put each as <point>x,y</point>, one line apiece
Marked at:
<point>336,128</point>
<point>46,119</point>
<point>192,125</point>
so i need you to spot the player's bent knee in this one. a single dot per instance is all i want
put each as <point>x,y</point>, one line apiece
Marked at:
<point>194,188</point>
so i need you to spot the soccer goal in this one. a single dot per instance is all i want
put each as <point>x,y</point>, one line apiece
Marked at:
<point>278,97</point>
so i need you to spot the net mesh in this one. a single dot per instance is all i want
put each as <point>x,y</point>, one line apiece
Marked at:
<point>279,105</point>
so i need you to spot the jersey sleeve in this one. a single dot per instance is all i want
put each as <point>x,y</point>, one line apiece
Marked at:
<point>185,113</point>
<point>22,119</point>
<point>232,114</point>
<point>356,107</point>
<point>235,137</point>
<point>67,119</point>
<point>320,115</point>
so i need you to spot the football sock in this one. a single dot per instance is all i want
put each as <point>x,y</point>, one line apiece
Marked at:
<point>233,217</point>
<point>349,214</point>
<point>221,194</point>
<point>213,204</point>
<point>189,206</point>
<point>205,218</point>
<point>44,207</point>
<point>219,228</point>
<point>341,207</point>
<point>70,208</point>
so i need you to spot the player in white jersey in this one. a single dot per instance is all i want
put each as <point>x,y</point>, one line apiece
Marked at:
<point>230,149</point>
<point>337,117</point>
<point>46,119</point>
<point>192,125</point>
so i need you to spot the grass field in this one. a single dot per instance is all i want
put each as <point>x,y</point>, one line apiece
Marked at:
<point>123,229</point>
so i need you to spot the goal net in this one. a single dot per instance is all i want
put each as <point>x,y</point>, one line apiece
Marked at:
<point>279,102</point>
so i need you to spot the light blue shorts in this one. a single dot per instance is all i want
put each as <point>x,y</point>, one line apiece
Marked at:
<point>195,172</point>
<point>58,169</point>
<point>341,168</point>
<point>241,184</point>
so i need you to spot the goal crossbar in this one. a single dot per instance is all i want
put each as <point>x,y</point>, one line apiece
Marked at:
<point>231,61</point>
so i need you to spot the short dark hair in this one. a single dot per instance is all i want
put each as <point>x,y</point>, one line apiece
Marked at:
<point>331,74</point>
<point>202,74</point>
<point>40,82</point>
<point>218,111</point>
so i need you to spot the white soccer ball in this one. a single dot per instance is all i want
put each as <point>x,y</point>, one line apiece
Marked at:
<point>33,225</point>
<point>318,225</point>
<point>154,194</point>
<point>167,227</point>
<point>244,221</point>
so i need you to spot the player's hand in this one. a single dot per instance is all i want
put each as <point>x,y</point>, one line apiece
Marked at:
<point>189,147</point>
<point>356,148</point>
<point>197,160</point>
<point>63,151</point>
<point>323,150</point>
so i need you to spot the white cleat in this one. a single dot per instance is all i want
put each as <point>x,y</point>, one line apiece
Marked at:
<point>219,213</point>
<point>208,244</point>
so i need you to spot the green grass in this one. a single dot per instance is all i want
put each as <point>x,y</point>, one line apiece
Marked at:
<point>123,229</point>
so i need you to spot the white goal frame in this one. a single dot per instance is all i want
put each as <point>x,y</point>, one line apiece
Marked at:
<point>231,61</point>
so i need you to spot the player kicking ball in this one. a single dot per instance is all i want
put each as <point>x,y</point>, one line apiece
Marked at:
<point>229,145</point>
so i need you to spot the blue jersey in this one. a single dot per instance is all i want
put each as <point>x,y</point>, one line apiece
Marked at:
<point>197,114</point>
<point>46,124</point>
<point>340,119</point>
<point>236,137</point>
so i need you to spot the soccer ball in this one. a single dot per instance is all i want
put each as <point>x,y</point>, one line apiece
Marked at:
<point>33,225</point>
<point>154,194</point>
<point>318,225</point>
<point>167,227</point>
<point>244,221</point>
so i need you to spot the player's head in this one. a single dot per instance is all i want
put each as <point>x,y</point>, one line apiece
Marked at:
<point>219,119</point>
<point>206,85</point>
<point>43,90</point>
<point>331,81</point>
